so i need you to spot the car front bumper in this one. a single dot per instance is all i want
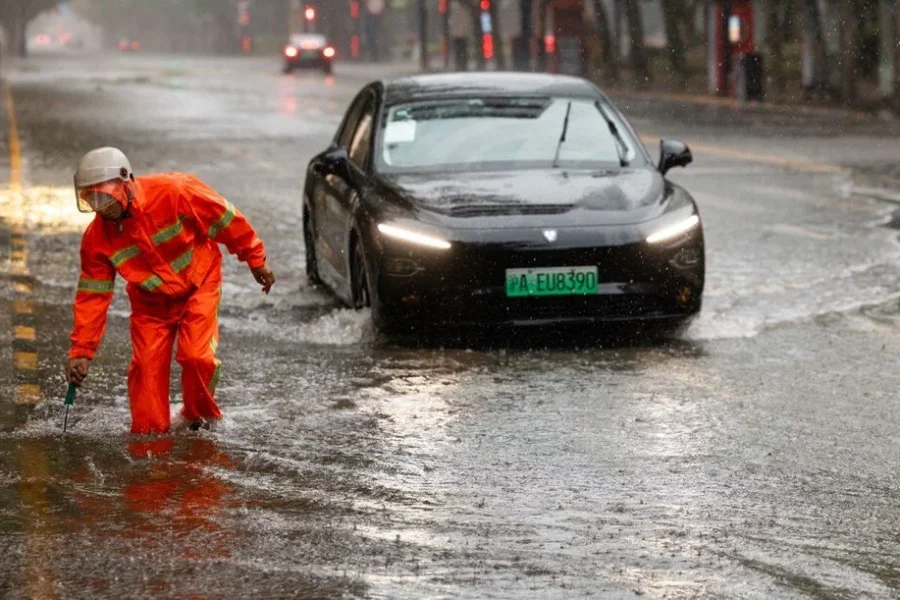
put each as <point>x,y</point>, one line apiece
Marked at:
<point>465,286</point>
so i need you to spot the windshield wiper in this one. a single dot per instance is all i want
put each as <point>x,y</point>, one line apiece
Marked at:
<point>621,146</point>
<point>562,138</point>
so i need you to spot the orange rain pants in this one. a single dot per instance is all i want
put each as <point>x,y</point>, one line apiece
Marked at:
<point>156,322</point>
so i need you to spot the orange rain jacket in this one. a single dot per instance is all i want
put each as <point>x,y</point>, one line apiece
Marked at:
<point>167,246</point>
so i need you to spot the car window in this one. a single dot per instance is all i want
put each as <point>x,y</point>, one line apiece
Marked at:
<point>351,120</point>
<point>362,137</point>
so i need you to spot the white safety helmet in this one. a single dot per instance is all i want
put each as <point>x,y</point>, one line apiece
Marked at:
<point>97,167</point>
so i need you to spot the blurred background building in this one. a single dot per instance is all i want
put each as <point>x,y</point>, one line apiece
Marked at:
<point>831,51</point>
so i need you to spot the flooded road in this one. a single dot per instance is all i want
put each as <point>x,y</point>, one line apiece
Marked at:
<point>753,457</point>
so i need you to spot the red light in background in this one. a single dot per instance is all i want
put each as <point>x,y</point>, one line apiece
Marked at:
<point>354,46</point>
<point>442,7</point>
<point>136,45</point>
<point>354,9</point>
<point>246,44</point>
<point>550,44</point>
<point>485,5</point>
<point>310,13</point>
<point>487,46</point>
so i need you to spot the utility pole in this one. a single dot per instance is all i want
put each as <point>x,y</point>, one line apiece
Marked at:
<point>423,36</point>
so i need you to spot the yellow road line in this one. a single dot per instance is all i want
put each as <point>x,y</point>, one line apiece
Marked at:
<point>796,164</point>
<point>23,332</point>
<point>26,361</point>
<point>23,307</point>
<point>28,393</point>
<point>15,149</point>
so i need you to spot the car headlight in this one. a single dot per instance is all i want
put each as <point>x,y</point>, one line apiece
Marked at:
<point>413,237</point>
<point>673,231</point>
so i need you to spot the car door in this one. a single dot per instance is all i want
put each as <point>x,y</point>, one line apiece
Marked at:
<point>345,186</point>
<point>359,150</point>
<point>325,203</point>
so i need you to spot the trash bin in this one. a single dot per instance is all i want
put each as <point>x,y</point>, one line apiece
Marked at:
<point>748,83</point>
<point>461,54</point>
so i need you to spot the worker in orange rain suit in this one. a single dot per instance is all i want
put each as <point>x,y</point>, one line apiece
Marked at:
<point>160,233</point>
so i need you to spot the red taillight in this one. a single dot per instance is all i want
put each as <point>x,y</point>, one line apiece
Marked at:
<point>123,45</point>
<point>487,45</point>
<point>290,52</point>
<point>550,44</point>
<point>135,46</point>
<point>328,52</point>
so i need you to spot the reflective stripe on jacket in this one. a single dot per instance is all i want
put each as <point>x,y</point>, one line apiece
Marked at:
<point>167,246</point>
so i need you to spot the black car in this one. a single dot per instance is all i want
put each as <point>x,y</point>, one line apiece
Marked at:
<point>500,198</point>
<point>309,50</point>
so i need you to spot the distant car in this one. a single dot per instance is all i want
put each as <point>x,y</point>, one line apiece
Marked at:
<point>309,51</point>
<point>129,45</point>
<point>512,199</point>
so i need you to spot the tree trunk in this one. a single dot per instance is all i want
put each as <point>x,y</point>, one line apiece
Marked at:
<point>19,36</point>
<point>673,14</point>
<point>640,68</point>
<point>526,12</point>
<point>789,18</point>
<point>423,36</point>
<point>897,58</point>
<point>849,30</point>
<point>774,45</point>
<point>688,21</point>
<point>608,59</point>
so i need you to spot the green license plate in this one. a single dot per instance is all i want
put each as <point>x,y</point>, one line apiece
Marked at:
<point>551,281</point>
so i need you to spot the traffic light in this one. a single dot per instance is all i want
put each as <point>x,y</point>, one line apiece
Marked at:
<point>310,13</point>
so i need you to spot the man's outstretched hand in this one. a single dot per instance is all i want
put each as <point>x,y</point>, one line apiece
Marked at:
<point>264,277</point>
<point>77,370</point>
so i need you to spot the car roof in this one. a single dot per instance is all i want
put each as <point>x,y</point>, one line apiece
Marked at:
<point>454,85</point>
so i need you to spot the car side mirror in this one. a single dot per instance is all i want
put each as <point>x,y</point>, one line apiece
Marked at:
<point>673,153</point>
<point>336,162</point>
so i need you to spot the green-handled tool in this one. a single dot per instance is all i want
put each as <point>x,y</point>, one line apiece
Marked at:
<point>70,400</point>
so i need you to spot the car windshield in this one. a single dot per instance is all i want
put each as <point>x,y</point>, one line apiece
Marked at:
<point>509,133</point>
<point>308,41</point>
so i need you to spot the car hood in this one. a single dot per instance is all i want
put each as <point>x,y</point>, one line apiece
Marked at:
<point>521,199</point>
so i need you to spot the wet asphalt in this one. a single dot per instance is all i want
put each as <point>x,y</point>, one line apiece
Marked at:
<point>752,457</point>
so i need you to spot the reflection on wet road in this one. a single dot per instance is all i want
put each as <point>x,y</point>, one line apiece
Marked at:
<point>752,458</point>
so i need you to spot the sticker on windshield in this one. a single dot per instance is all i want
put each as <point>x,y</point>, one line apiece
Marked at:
<point>400,132</point>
